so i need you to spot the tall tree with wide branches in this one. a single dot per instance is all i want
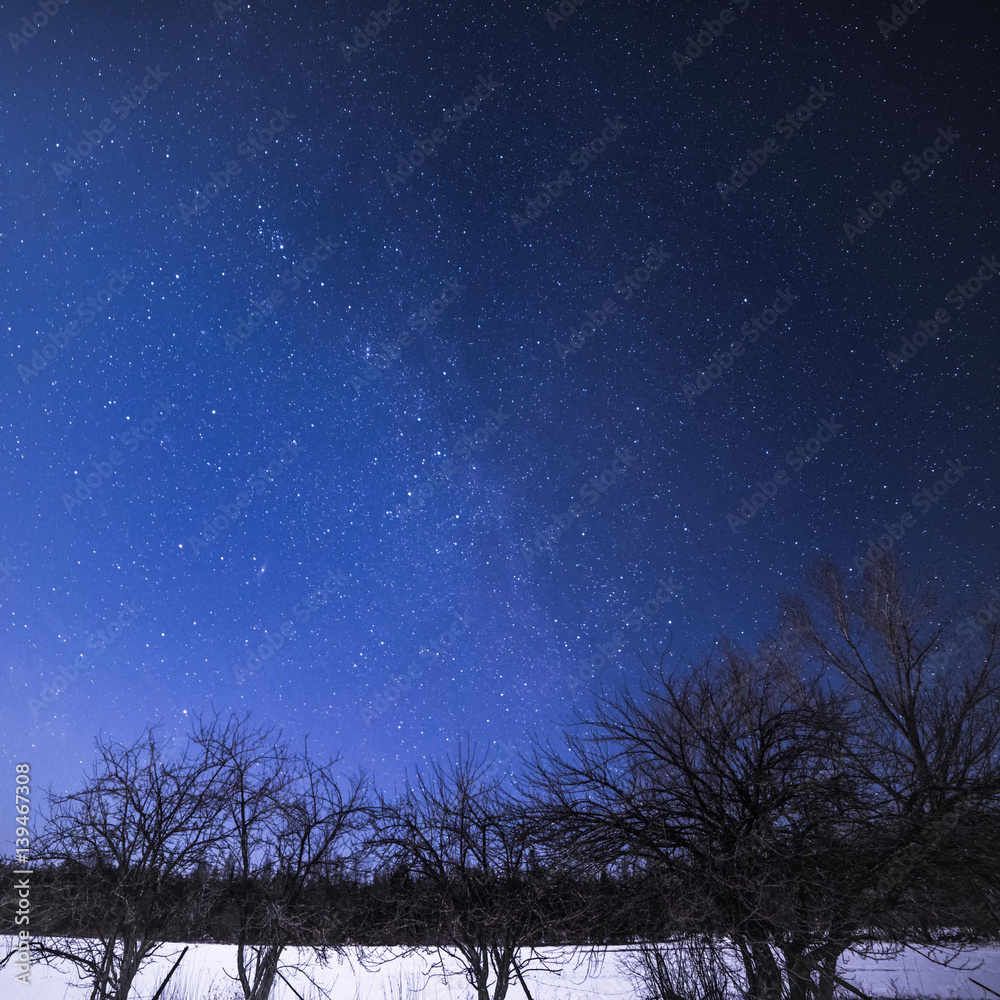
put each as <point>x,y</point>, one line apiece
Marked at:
<point>122,846</point>
<point>927,744</point>
<point>727,784</point>
<point>291,828</point>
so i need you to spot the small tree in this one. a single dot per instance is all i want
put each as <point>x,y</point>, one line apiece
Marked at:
<point>291,827</point>
<point>463,845</point>
<point>121,847</point>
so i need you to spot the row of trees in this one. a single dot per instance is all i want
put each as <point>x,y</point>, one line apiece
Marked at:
<point>741,823</point>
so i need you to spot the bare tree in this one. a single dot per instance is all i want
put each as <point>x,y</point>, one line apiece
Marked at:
<point>728,783</point>
<point>928,740</point>
<point>680,970</point>
<point>463,845</point>
<point>121,846</point>
<point>291,828</point>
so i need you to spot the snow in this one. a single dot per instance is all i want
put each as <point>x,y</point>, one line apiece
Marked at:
<point>203,976</point>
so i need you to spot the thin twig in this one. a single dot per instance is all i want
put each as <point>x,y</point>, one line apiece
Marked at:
<point>849,986</point>
<point>287,983</point>
<point>163,985</point>
<point>983,986</point>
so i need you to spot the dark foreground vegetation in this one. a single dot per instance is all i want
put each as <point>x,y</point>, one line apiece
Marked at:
<point>761,814</point>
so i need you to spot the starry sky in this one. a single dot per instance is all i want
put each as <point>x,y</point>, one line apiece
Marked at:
<point>376,382</point>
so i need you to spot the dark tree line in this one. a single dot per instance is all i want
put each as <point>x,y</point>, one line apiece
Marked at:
<point>740,823</point>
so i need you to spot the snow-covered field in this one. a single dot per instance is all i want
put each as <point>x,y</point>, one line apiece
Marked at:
<point>202,976</point>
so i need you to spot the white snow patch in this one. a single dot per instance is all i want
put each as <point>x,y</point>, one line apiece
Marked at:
<point>202,976</point>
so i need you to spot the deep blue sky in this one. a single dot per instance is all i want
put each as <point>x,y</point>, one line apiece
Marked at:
<point>360,449</point>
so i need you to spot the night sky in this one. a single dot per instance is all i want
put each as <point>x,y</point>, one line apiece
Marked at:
<point>339,286</point>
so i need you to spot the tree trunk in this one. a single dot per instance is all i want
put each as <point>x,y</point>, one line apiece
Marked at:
<point>798,969</point>
<point>827,977</point>
<point>266,972</point>
<point>103,974</point>
<point>766,983</point>
<point>128,967</point>
<point>502,984</point>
